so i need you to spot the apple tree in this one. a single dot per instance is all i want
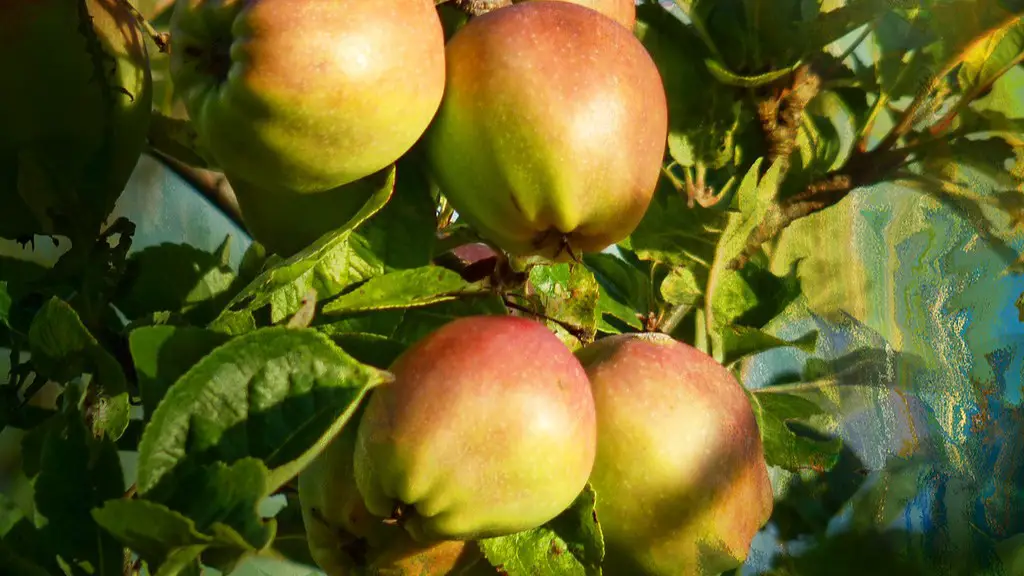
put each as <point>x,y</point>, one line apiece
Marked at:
<point>512,269</point>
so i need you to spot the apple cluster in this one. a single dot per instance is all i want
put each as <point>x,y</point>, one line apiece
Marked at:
<point>493,426</point>
<point>543,123</point>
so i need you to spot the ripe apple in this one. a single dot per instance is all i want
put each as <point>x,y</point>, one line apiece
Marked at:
<point>307,95</point>
<point>286,223</point>
<point>551,134</point>
<point>74,112</point>
<point>680,473</point>
<point>622,11</point>
<point>487,429</point>
<point>345,539</point>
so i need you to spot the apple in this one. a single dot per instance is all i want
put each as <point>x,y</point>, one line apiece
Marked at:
<point>307,95</point>
<point>346,540</point>
<point>550,138</point>
<point>488,429</point>
<point>622,11</point>
<point>75,111</point>
<point>286,223</point>
<point>680,473</point>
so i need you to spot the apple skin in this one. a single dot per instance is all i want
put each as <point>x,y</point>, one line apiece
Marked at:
<point>75,117</point>
<point>346,540</point>
<point>307,95</point>
<point>622,11</point>
<point>680,472</point>
<point>488,429</point>
<point>286,223</point>
<point>551,134</point>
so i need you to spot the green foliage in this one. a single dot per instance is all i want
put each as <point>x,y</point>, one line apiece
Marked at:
<point>570,544</point>
<point>225,381</point>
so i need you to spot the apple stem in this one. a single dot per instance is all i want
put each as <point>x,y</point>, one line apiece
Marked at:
<point>161,39</point>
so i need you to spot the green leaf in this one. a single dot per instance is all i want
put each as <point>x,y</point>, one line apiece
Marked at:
<point>223,501</point>
<point>682,288</point>
<point>405,289</point>
<point>159,535</point>
<point>570,544</point>
<point>277,394</point>
<point>678,235</point>
<point>900,74</point>
<point>18,272</point>
<point>567,296</point>
<point>731,295</point>
<point>753,295</point>
<point>703,113</point>
<point>27,545</point>
<point>732,298</point>
<point>987,155</point>
<point>335,261</point>
<point>77,473</point>
<point>404,232</point>
<point>770,25</point>
<point>753,199</point>
<point>373,349</point>
<point>783,446</point>
<point>418,322</point>
<point>17,219</point>
<point>5,305</point>
<point>834,24</point>
<point>174,278</point>
<point>742,341</point>
<point>11,559</point>
<point>730,78</point>
<point>215,511</point>
<point>162,354</point>
<point>959,25</point>
<point>625,291</point>
<point>63,349</point>
<point>971,120</point>
<point>1011,554</point>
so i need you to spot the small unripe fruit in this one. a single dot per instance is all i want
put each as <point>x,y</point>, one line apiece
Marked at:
<point>488,429</point>
<point>680,472</point>
<point>551,134</point>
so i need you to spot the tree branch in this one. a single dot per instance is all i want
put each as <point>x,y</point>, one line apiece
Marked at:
<point>782,113</point>
<point>862,169</point>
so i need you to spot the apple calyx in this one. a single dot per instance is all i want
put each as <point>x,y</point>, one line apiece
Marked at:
<point>214,60</point>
